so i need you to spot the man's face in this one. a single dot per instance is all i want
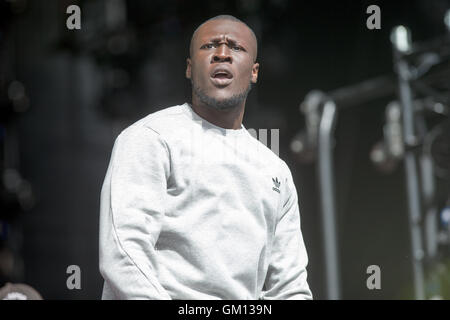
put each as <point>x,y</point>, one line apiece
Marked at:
<point>222,67</point>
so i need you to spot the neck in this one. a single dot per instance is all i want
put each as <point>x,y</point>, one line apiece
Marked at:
<point>227,119</point>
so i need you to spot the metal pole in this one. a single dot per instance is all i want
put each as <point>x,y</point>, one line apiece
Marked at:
<point>429,193</point>
<point>326,183</point>
<point>401,41</point>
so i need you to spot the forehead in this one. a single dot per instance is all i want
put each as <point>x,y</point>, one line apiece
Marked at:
<point>218,28</point>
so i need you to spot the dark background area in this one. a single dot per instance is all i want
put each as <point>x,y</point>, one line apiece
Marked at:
<point>85,86</point>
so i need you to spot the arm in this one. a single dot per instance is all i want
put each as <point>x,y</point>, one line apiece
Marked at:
<point>287,276</point>
<point>131,213</point>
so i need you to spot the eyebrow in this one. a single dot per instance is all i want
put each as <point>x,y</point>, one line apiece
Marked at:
<point>229,40</point>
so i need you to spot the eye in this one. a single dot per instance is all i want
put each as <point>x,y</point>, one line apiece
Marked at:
<point>207,46</point>
<point>236,48</point>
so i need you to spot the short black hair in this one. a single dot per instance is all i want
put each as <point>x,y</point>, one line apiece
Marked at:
<point>223,17</point>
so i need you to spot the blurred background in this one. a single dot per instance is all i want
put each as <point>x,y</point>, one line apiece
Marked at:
<point>66,94</point>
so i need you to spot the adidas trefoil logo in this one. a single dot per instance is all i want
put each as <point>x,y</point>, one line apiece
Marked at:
<point>277,184</point>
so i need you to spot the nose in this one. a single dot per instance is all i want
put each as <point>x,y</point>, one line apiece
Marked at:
<point>222,54</point>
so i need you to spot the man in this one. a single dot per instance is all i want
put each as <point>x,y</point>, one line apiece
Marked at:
<point>194,207</point>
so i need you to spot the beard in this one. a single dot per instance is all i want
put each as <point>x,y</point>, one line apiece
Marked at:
<point>221,104</point>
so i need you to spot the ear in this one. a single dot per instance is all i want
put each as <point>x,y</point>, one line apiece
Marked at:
<point>255,70</point>
<point>188,68</point>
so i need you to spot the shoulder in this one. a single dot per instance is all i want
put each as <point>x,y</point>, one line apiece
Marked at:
<point>166,118</point>
<point>149,130</point>
<point>156,123</point>
<point>267,154</point>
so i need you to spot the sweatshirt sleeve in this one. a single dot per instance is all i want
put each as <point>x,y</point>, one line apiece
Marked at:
<point>131,214</point>
<point>287,276</point>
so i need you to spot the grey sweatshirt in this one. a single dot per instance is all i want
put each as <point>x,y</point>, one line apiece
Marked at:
<point>190,210</point>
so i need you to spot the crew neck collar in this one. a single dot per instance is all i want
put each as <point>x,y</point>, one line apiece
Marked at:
<point>205,123</point>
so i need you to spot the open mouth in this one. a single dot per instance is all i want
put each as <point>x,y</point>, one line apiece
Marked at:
<point>221,77</point>
<point>222,74</point>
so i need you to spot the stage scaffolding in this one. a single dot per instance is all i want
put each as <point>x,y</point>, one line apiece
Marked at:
<point>421,84</point>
